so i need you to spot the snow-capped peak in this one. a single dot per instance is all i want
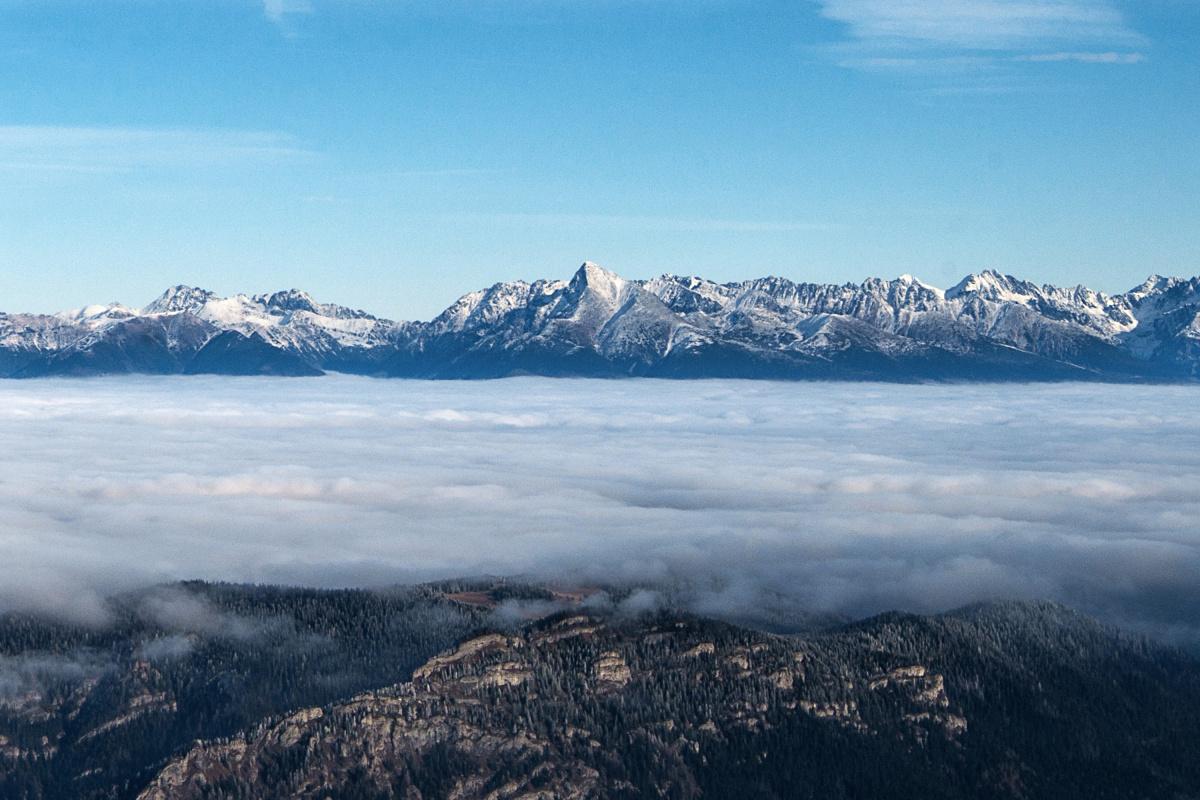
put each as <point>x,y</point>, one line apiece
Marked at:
<point>288,300</point>
<point>599,279</point>
<point>772,319</point>
<point>974,282</point>
<point>913,281</point>
<point>993,285</point>
<point>179,299</point>
<point>1155,284</point>
<point>95,316</point>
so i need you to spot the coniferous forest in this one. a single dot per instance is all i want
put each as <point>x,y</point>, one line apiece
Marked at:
<point>500,689</point>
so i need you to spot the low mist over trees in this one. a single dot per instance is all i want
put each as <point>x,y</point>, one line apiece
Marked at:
<point>579,693</point>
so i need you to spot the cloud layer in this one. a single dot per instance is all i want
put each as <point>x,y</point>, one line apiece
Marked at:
<point>842,498</point>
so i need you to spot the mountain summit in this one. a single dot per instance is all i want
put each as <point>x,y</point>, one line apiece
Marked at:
<point>989,326</point>
<point>179,299</point>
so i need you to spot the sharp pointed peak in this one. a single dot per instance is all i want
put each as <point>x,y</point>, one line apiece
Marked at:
<point>597,283</point>
<point>591,268</point>
<point>592,275</point>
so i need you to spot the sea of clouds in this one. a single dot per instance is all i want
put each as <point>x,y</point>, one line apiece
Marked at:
<point>840,499</point>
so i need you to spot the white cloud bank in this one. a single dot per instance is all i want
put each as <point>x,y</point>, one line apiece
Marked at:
<point>845,498</point>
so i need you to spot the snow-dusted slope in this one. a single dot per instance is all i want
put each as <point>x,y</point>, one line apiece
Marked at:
<point>285,333</point>
<point>289,318</point>
<point>1168,322</point>
<point>597,323</point>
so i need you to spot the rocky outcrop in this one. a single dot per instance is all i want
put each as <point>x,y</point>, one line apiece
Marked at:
<point>535,715</point>
<point>1000,701</point>
<point>586,707</point>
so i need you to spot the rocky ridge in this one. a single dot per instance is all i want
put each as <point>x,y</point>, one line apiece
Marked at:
<point>989,326</point>
<point>579,706</point>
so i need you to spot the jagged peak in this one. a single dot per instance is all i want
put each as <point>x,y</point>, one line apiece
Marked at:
<point>483,305</point>
<point>911,284</point>
<point>1157,286</point>
<point>288,300</point>
<point>991,284</point>
<point>683,280</point>
<point>1156,283</point>
<point>179,298</point>
<point>901,280</point>
<point>908,279</point>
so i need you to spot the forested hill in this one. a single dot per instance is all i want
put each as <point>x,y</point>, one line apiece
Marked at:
<point>503,691</point>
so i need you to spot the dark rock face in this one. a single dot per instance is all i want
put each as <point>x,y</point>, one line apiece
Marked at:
<point>231,353</point>
<point>150,345</point>
<point>1000,701</point>
<point>988,327</point>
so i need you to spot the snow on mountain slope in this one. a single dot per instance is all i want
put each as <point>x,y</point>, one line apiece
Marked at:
<point>37,331</point>
<point>97,316</point>
<point>1168,328</point>
<point>179,299</point>
<point>599,323</point>
<point>296,333</point>
<point>619,318</point>
<point>488,307</point>
<point>285,319</point>
<point>986,313</point>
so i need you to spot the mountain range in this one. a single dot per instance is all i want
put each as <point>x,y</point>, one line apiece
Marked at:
<point>987,327</point>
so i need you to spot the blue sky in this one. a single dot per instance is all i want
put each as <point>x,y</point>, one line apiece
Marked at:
<point>393,154</point>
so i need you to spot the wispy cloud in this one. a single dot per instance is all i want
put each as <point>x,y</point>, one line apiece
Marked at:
<point>980,34</point>
<point>278,11</point>
<point>1086,58</point>
<point>657,223</point>
<point>66,149</point>
<point>979,24</point>
<point>447,172</point>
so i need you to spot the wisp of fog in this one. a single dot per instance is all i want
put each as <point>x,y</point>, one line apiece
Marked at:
<point>840,499</point>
